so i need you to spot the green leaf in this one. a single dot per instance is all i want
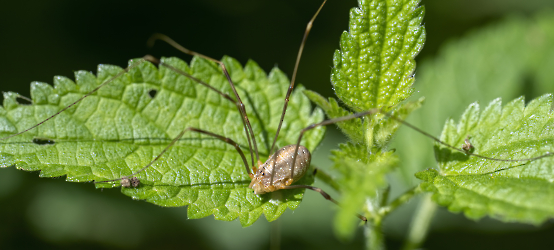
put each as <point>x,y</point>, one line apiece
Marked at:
<point>362,175</point>
<point>373,69</point>
<point>507,59</point>
<point>121,128</point>
<point>374,66</point>
<point>385,127</point>
<point>510,191</point>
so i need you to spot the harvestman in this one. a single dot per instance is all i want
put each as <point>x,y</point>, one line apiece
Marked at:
<point>284,167</point>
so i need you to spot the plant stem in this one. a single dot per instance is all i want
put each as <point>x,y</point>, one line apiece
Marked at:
<point>373,231</point>
<point>420,223</point>
<point>374,235</point>
<point>385,196</point>
<point>401,200</point>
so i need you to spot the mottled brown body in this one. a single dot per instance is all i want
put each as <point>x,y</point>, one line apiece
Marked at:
<point>282,162</point>
<point>126,182</point>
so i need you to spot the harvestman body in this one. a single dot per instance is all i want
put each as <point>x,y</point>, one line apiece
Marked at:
<point>284,167</point>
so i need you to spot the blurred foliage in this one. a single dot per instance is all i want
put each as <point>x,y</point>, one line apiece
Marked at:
<point>46,38</point>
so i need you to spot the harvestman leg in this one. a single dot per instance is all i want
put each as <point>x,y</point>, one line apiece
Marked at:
<point>324,194</point>
<point>178,71</point>
<point>139,62</point>
<point>239,103</point>
<point>291,86</point>
<point>80,99</point>
<point>222,138</point>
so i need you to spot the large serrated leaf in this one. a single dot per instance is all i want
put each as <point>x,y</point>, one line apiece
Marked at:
<point>374,66</point>
<point>121,128</point>
<point>511,191</point>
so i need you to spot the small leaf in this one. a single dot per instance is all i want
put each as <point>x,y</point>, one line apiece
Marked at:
<point>520,191</point>
<point>375,64</point>
<point>362,175</point>
<point>121,128</point>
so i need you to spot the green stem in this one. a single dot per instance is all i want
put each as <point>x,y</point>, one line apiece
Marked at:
<point>375,239</point>
<point>401,200</point>
<point>420,223</point>
<point>385,196</point>
<point>373,231</point>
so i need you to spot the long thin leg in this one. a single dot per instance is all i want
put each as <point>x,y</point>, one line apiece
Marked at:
<point>225,139</point>
<point>291,86</point>
<point>80,99</point>
<point>457,149</point>
<point>373,111</point>
<point>226,96</point>
<point>324,194</point>
<point>239,103</point>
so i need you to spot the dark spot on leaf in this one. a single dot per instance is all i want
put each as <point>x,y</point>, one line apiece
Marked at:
<point>152,93</point>
<point>42,141</point>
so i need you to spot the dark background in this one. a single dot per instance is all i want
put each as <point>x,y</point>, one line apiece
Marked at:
<point>41,39</point>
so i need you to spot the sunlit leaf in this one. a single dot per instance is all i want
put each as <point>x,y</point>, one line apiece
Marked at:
<point>121,128</point>
<point>510,191</point>
<point>375,64</point>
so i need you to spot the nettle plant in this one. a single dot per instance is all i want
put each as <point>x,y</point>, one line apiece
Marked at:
<point>125,126</point>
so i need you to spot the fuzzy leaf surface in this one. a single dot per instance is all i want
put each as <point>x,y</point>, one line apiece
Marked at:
<point>509,191</point>
<point>121,128</point>
<point>375,64</point>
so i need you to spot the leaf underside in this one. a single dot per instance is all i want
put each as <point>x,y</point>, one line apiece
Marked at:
<point>121,128</point>
<point>509,191</point>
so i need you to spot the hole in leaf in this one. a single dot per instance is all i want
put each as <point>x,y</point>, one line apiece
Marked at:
<point>152,93</point>
<point>42,141</point>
